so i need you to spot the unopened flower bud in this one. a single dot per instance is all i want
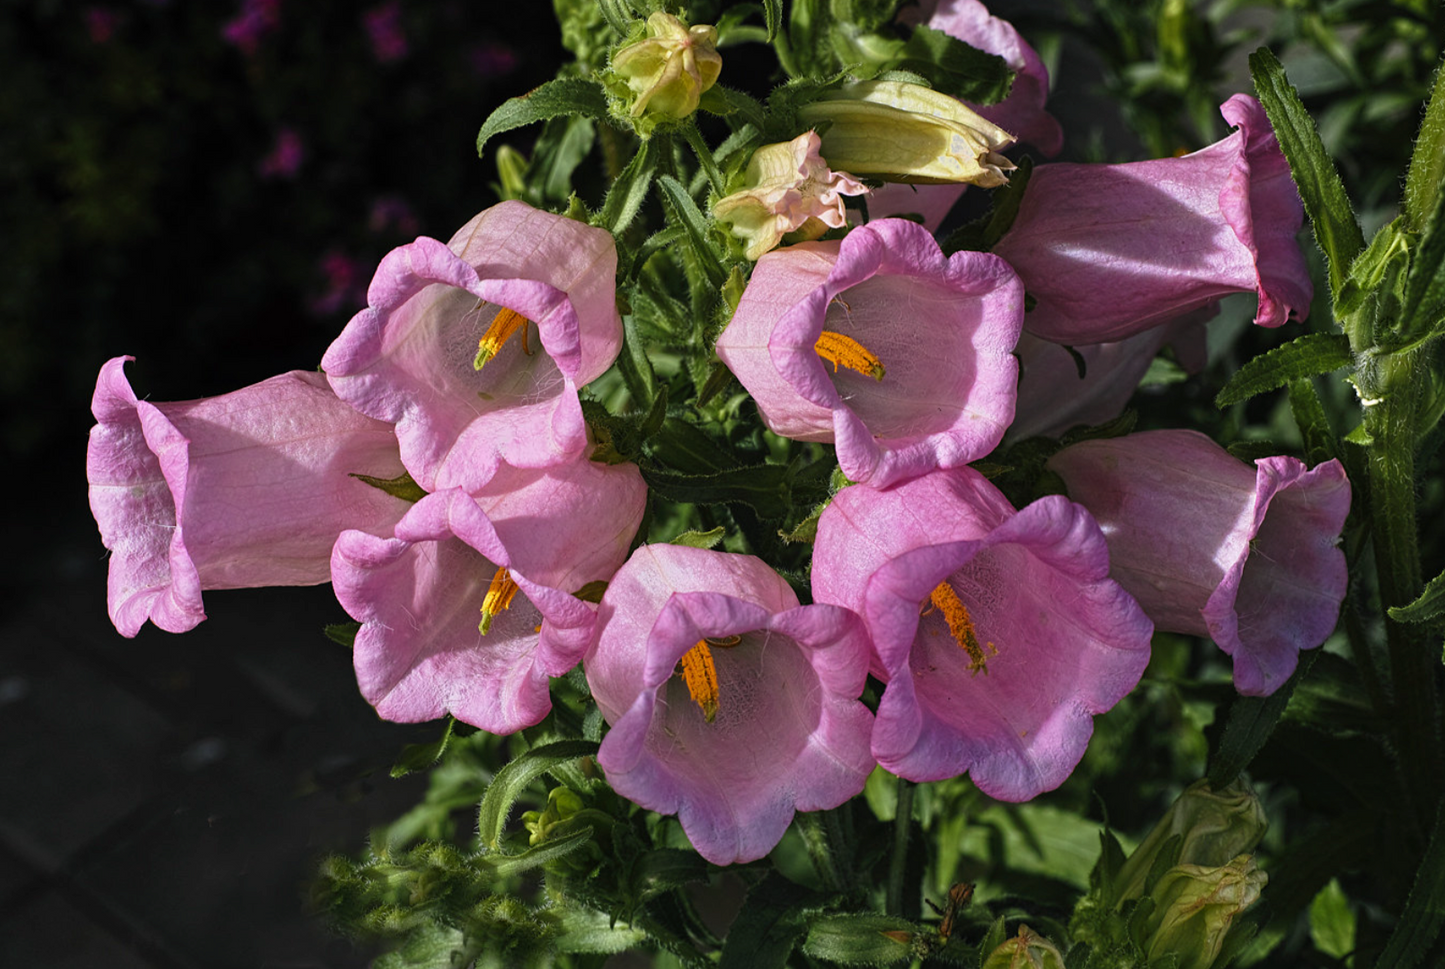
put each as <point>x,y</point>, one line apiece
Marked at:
<point>668,70</point>
<point>908,133</point>
<point>1195,906</point>
<point>1027,950</point>
<point>1215,826</point>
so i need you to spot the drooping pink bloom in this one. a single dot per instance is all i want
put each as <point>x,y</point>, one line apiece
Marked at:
<point>424,596</point>
<point>247,489</point>
<point>1021,114</point>
<point>775,726</point>
<point>1111,250</point>
<point>1053,397</point>
<point>1212,548</point>
<point>538,290</point>
<point>999,633</point>
<point>882,345</point>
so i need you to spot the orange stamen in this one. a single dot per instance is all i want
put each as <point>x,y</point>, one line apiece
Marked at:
<point>840,350</point>
<point>499,597</point>
<point>504,324</point>
<point>700,675</point>
<point>960,626</point>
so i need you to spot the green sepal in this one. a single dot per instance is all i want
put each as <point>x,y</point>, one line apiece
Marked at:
<point>402,486</point>
<point>420,757</point>
<point>1429,607</point>
<point>983,233</point>
<point>1250,721</point>
<point>512,780</point>
<point>996,936</point>
<point>592,591</point>
<point>1426,176</point>
<point>343,633</point>
<point>1305,356</point>
<point>863,939</point>
<point>572,96</point>
<point>696,539</point>
<point>1336,231</point>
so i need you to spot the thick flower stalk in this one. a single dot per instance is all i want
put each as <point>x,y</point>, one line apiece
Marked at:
<point>470,608</point>
<point>882,345</point>
<point>1111,250</point>
<point>1211,547</point>
<point>475,349</point>
<point>1021,113</point>
<point>999,632</point>
<point>730,704</point>
<point>243,490</point>
<point>787,188</point>
<point>667,71</point>
<point>903,132</point>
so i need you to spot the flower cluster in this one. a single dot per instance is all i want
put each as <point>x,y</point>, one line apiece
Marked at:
<point>451,477</point>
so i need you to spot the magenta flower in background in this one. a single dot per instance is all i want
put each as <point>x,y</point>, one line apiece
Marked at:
<point>384,28</point>
<point>506,560</point>
<point>392,213</point>
<point>1249,558</point>
<point>249,27</point>
<point>475,349</point>
<point>285,157</point>
<point>247,489</point>
<point>999,633</point>
<point>1111,250</point>
<point>343,283</point>
<point>1021,114</point>
<point>730,704</point>
<point>100,23</point>
<point>492,59</point>
<point>882,345</point>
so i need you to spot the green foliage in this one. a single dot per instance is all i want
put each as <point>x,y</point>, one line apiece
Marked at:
<point>1305,356</point>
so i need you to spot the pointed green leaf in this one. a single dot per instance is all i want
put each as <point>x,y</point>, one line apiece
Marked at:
<point>1427,165</point>
<point>508,865</point>
<point>773,13</point>
<point>513,779</point>
<point>1424,913</point>
<point>764,487</point>
<point>1429,606</point>
<point>1250,721</point>
<point>420,757</point>
<point>1332,921</point>
<point>862,940</point>
<point>343,633</point>
<point>955,68</point>
<point>1423,314</point>
<point>1313,353</point>
<point>630,189</point>
<point>1325,201</point>
<point>402,486</point>
<point>685,211</point>
<point>1313,423</point>
<point>588,930</point>
<point>696,539</point>
<point>562,96</point>
<point>769,925</point>
<point>740,109</point>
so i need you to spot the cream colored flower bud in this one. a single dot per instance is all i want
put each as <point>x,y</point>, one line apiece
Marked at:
<point>908,133</point>
<point>1195,906</point>
<point>1027,950</point>
<point>669,69</point>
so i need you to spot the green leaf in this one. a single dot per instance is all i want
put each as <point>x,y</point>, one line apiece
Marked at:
<point>663,870</point>
<point>511,781</point>
<point>955,68</point>
<point>343,633</point>
<point>420,757</point>
<point>1250,721</point>
<point>1427,164</point>
<point>1313,423</point>
<point>769,925</point>
<point>588,930</point>
<point>1328,207</point>
<point>1423,314</point>
<point>764,487</point>
<point>740,109</point>
<point>773,13</point>
<point>505,866</point>
<point>1332,921</point>
<point>1428,607</point>
<point>1313,353</point>
<point>560,148</point>
<point>571,96</point>
<point>1420,922</point>
<point>402,486</point>
<point>630,189</point>
<point>860,940</point>
<point>696,539</point>
<point>635,366</point>
<point>686,212</point>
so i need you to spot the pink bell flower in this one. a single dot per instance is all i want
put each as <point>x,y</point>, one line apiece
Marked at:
<point>470,607</point>
<point>730,704</point>
<point>243,490</point>
<point>1210,548</point>
<point>882,345</point>
<point>999,632</point>
<point>475,349</point>
<point>1111,250</point>
<point>1021,114</point>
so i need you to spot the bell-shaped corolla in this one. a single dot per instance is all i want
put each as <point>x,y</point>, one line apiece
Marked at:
<point>882,345</point>
<point>475,349</point>
<point>999,632</point>
<point>1021,113</point>
<point>1211,547</point>
<point>667,71</point>
<point>730,704</point>
<point>471,607</point>
<point>246,489</point>
<point>787,188</point>
<point>1111,250</point>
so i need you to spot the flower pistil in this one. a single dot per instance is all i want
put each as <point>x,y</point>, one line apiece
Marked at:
<point>504,324</point>
<point>840,350</point>
<point>700,674</point>
<point>960,626</point>
<point>499,597</point>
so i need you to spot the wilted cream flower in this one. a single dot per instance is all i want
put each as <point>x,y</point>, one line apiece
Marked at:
<point>789,188</point>
<point>908,133</point>
<point>668,70</point>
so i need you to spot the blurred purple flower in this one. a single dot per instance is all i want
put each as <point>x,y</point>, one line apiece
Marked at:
<point>493,59</point>
<point>344,286</point>
<point>101,22</point>
<point>285,157</point>
<point>393,213</point>
<point>256,19</point>
<point>383,26</point>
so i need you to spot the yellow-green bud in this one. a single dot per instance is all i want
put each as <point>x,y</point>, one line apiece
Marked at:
<point>1027,950</point>
<point>1195,906</point>
<point>1214,826</point>
<point>669,69</point>
<point>908,133</point>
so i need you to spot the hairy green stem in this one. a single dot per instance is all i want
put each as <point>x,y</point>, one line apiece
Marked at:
<point>898,863</point>
<point>815,832</point>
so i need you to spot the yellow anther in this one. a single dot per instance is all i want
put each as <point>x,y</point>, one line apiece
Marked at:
<point>960,626</point>
<point>840,350</point>
<point>504,324</point>
<point>499,597</point>
<point>700,675</point>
